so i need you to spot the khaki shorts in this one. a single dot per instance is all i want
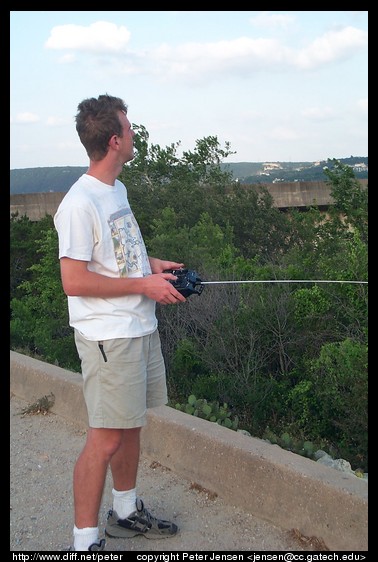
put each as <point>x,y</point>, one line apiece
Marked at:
<point>121,379</point>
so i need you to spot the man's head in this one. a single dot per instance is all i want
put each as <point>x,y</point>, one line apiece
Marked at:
<point>97,120</point>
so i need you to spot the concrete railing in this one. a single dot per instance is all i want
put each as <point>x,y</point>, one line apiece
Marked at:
<point>275,485</point>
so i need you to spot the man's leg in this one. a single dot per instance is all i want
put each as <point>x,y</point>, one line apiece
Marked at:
<point>90,473</point>
<point>124,463</point>
<point>124,468</point>
<point>129,517</point>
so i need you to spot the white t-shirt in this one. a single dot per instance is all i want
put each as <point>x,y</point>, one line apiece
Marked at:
<point>95,223</point>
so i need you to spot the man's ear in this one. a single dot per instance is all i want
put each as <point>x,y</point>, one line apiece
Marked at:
<point>113,142</point>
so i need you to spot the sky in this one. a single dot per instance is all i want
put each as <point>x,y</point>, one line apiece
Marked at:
<point>279,86</point>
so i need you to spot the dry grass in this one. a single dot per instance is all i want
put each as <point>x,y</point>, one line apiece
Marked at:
<point>313,542</point>
<point>210,495</point>
<point>156,464</point>
<point>40,406</point>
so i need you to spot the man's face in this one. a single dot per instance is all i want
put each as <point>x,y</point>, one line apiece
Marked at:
<point>127,140</point>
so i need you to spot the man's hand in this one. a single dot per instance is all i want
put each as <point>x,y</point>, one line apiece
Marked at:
<point>158,288</point>
<point>158,266</point>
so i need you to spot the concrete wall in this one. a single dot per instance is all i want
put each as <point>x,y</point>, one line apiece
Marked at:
<point>35,205</point>
<point>275,485</point>
<point>285,195</point>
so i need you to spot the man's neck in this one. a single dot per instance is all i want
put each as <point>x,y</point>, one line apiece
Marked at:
<point>104,172</point>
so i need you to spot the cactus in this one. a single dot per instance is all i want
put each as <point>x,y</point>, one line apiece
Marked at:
<point>309,449</point>
<point>270,436</point>
<point>286,441</point>
<point>220,414</point>
<point>210,411</point>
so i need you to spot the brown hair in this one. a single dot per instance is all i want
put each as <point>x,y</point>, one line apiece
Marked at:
<point>97,120</point>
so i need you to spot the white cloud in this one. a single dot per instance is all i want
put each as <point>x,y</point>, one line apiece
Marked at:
<point>245,54</point>
<point>196,60</point>
<point>100,37</point>
<point>26,118</point>
<point>201,60</point>
<point>334,45</point>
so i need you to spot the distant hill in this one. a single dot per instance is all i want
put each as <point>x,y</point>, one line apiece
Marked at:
<point>275,172</point>
<point>37,180</point>
<point>60,179</point>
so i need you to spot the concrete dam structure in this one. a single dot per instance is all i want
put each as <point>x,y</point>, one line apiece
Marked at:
<point>285,195</point>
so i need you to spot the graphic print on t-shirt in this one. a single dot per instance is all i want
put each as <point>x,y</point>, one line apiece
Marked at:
<point>130,251</point>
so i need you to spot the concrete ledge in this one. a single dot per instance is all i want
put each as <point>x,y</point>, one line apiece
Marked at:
<point>31,379</point>
<point>273,484</point>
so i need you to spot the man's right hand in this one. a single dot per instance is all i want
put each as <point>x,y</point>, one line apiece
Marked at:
<point>158,288</point>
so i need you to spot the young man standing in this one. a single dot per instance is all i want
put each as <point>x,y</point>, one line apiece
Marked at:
<point>112,287</point>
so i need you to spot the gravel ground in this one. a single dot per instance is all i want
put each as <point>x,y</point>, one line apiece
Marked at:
<point>44,448</point>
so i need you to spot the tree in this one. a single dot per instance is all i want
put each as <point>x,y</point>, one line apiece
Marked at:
<point>39,321</point>
<point>23,234</point>
<point>350,210</point>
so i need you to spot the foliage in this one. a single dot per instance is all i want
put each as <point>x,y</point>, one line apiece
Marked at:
<point>298,445</point>
<point>338,398</point>
<point>288,358</point>
<point>23,234</point>
<point>211,411</point>
<point>39,320</point>
<point>351,202</point>
<point>203,244</point>
<point>259,229</point>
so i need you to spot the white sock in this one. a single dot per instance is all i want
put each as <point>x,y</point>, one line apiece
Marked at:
<point>83,538</point>
<point>124,502</point>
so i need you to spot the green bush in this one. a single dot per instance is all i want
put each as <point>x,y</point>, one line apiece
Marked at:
<point>211,411</point>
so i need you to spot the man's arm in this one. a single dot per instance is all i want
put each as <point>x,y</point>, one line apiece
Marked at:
<point>77,280</point>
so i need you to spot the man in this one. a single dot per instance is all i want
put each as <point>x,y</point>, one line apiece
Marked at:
<point>112,288</point>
